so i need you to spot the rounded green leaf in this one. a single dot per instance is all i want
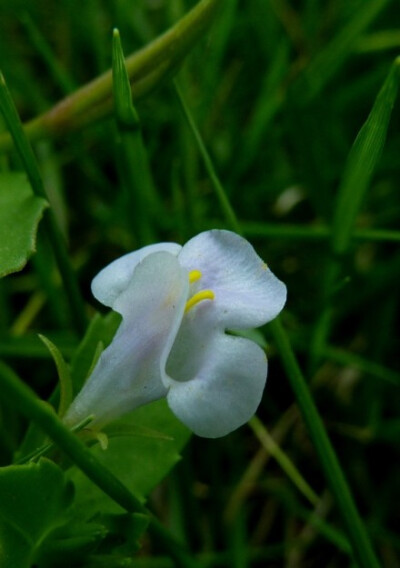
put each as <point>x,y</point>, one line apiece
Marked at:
<point>20,213</point>
<point>34,501</point>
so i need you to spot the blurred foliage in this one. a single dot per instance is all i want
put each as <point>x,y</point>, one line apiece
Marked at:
<point>279,91</point>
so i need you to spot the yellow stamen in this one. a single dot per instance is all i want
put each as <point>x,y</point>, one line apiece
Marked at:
<point>199,297</point>
<point>194,275</point>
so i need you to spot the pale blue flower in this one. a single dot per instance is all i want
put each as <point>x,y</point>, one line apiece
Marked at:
<point>177,304</point>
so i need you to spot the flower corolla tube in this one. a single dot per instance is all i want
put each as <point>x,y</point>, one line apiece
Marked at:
<point>177,303</point>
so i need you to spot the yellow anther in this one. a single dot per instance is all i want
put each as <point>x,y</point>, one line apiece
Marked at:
<point>199,297</point>
<point>194,275</point>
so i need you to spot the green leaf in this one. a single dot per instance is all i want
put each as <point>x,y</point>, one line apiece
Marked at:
<point>109,537</point>
<point>20,213</point>
<point>139,461</point>
<point>39,527</point>
<point>69,545</point>
<point>34,502</point>
<point>28,159</point>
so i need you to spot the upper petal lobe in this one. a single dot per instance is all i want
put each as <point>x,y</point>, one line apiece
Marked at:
<point>247,294</point>
<point>115,277</point>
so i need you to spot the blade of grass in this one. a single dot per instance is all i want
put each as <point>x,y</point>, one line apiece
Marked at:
<point>53,232</point>
<point>326,63</point>
<point>28,314</point>
<point>368,367</point>
<point>42,47</point>
<point>362,161</point>
<point>135,170</point>
<point>360,166</point>
<point>314,519</point>
<point>219,190</point>
<point>268,104</point>
<point>362,548</point>
<point>145,67</point>
<point>283,459</point>
<point>28,346</point>
<point>252,473</point>
<point>379,41</point>
<point>316,233</point>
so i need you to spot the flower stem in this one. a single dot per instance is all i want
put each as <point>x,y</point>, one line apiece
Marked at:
<point>358,536</point>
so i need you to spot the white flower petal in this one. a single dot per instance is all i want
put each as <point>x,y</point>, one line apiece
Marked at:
<point>128,373</point>
<point>115,277</point>
<point>247,294</point>
<point>190,348</point>
<point>227,390</point>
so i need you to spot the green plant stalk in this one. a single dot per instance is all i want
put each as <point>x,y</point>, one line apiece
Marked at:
<point>135,170</point>
<point>361,545</point>
<point>145,69</point>
<point>218,188</point>
<point>362,548</point>
<point>22,398</point>
<point>53,231</point>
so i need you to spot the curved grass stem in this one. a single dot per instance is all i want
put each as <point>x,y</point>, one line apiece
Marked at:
<point>361,544</point>
<point>146,68</point>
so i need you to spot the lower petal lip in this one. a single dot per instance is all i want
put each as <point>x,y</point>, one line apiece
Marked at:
<point>226,390</point>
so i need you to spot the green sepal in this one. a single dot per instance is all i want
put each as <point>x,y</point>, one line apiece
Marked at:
<point>64,375</point>
<point>100,332</point>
